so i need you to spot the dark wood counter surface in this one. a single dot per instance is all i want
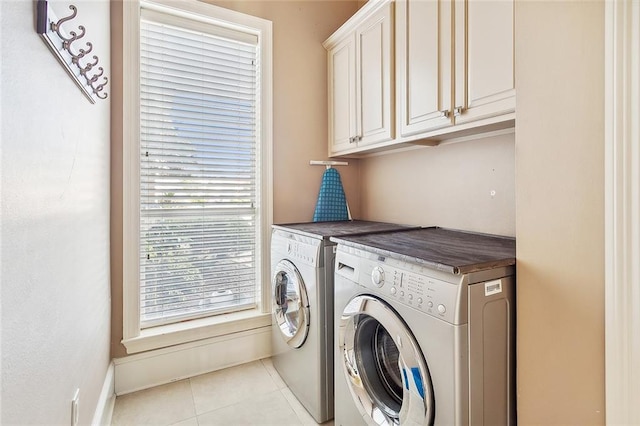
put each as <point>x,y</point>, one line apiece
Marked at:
<point>325,230</point>
<point>449,250</point>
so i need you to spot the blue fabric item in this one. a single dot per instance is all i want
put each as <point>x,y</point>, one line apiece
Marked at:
<point>332,203</point>
<point>417,378</point>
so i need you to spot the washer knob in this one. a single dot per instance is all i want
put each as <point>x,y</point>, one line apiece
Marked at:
<point>377,276</point>
<point>442,309</point>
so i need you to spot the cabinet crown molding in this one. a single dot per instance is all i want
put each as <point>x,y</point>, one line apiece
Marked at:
<point>370,8</point>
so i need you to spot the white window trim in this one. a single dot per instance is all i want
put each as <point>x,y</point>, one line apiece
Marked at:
<point>135,339</point>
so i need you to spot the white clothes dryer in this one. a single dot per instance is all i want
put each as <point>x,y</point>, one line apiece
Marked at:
<point>424,329</point>
<point>302,270</point>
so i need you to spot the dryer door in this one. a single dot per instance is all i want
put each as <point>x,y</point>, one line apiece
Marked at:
<point>384,366</point>
<point>290,304</point>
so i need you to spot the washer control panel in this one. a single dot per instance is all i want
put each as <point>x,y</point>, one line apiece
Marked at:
<point>423,292</point>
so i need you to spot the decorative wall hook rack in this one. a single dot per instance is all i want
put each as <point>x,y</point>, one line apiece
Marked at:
<point>70,52</point>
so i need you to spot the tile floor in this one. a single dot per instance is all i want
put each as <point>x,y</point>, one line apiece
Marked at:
<point>249,394</point>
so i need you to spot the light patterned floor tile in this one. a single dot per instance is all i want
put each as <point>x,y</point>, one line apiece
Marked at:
<point>266,409</point>
<point>226,391</point>
<point>268,364</point>
<point>230,386</point>
<point>160,406</point>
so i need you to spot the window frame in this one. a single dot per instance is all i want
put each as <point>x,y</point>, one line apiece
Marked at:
<point>136,339</point>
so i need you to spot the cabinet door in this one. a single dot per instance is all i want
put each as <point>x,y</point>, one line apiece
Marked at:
<point>424,65</point>
<point>484,55</point>
<point>375,68</point>
<point>342,96</point>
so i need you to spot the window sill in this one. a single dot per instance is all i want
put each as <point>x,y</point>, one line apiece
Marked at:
<point>189,331</point>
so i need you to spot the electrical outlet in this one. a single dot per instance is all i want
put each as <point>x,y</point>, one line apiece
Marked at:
<point>75,408</point>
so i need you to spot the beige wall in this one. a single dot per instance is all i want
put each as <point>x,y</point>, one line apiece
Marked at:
<point>300,101</point>
<point>117,349</point>
<point>448,185</point>
<point>300,119</point>
<point>559,212</point>
<point>55,223</point>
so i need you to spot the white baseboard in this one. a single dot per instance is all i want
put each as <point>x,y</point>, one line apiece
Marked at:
<point>107,400</point>
<point>158,367</point>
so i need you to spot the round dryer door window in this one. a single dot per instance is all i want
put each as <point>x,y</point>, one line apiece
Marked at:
<point>290,304</point>
<point>384,367</point>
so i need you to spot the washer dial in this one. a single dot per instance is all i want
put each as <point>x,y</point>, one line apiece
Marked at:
<point>377,276</point>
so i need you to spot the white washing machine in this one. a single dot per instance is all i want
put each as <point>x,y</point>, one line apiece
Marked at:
<point>302,261</point>
<point>425,326</point>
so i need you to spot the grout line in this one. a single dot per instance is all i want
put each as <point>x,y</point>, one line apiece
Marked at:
<point>291,405</point>
<point>184,420</point>
<point>243,401</point>
<point>276,381</point>
<point>301,413</point>
<point>193,399</point>
<point>246,398</point>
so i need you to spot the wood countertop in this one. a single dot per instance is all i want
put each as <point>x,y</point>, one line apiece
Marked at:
<point>325,230</point>
<point>454,251</point>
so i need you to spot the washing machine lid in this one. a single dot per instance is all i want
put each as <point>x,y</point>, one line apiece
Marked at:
<point>383,364</point>
<point>290,304</point>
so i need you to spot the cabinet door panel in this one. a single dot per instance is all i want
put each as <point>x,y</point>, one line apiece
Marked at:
<point>342,96</point>
<point>423,60</point>
<point>490,48</point>
<point>485,84</point>
<point>372,86</point>
<point>375,72</point>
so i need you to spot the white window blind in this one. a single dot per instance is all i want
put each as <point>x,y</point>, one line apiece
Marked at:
<point>198,172</point>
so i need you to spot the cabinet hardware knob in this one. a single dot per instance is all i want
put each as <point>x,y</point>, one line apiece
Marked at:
<point>445,113</point>
<point>457,111</point>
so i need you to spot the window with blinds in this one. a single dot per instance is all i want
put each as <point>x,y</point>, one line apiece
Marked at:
<point>198,170</point>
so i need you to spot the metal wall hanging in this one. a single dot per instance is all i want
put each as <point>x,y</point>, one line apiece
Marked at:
<point>71,52</point>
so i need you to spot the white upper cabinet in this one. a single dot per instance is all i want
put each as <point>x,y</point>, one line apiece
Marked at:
<point>420,71</point>
<point>424,49</point>
<point>360,73</point>
<point>455,64</point>
<point>484,57</point>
